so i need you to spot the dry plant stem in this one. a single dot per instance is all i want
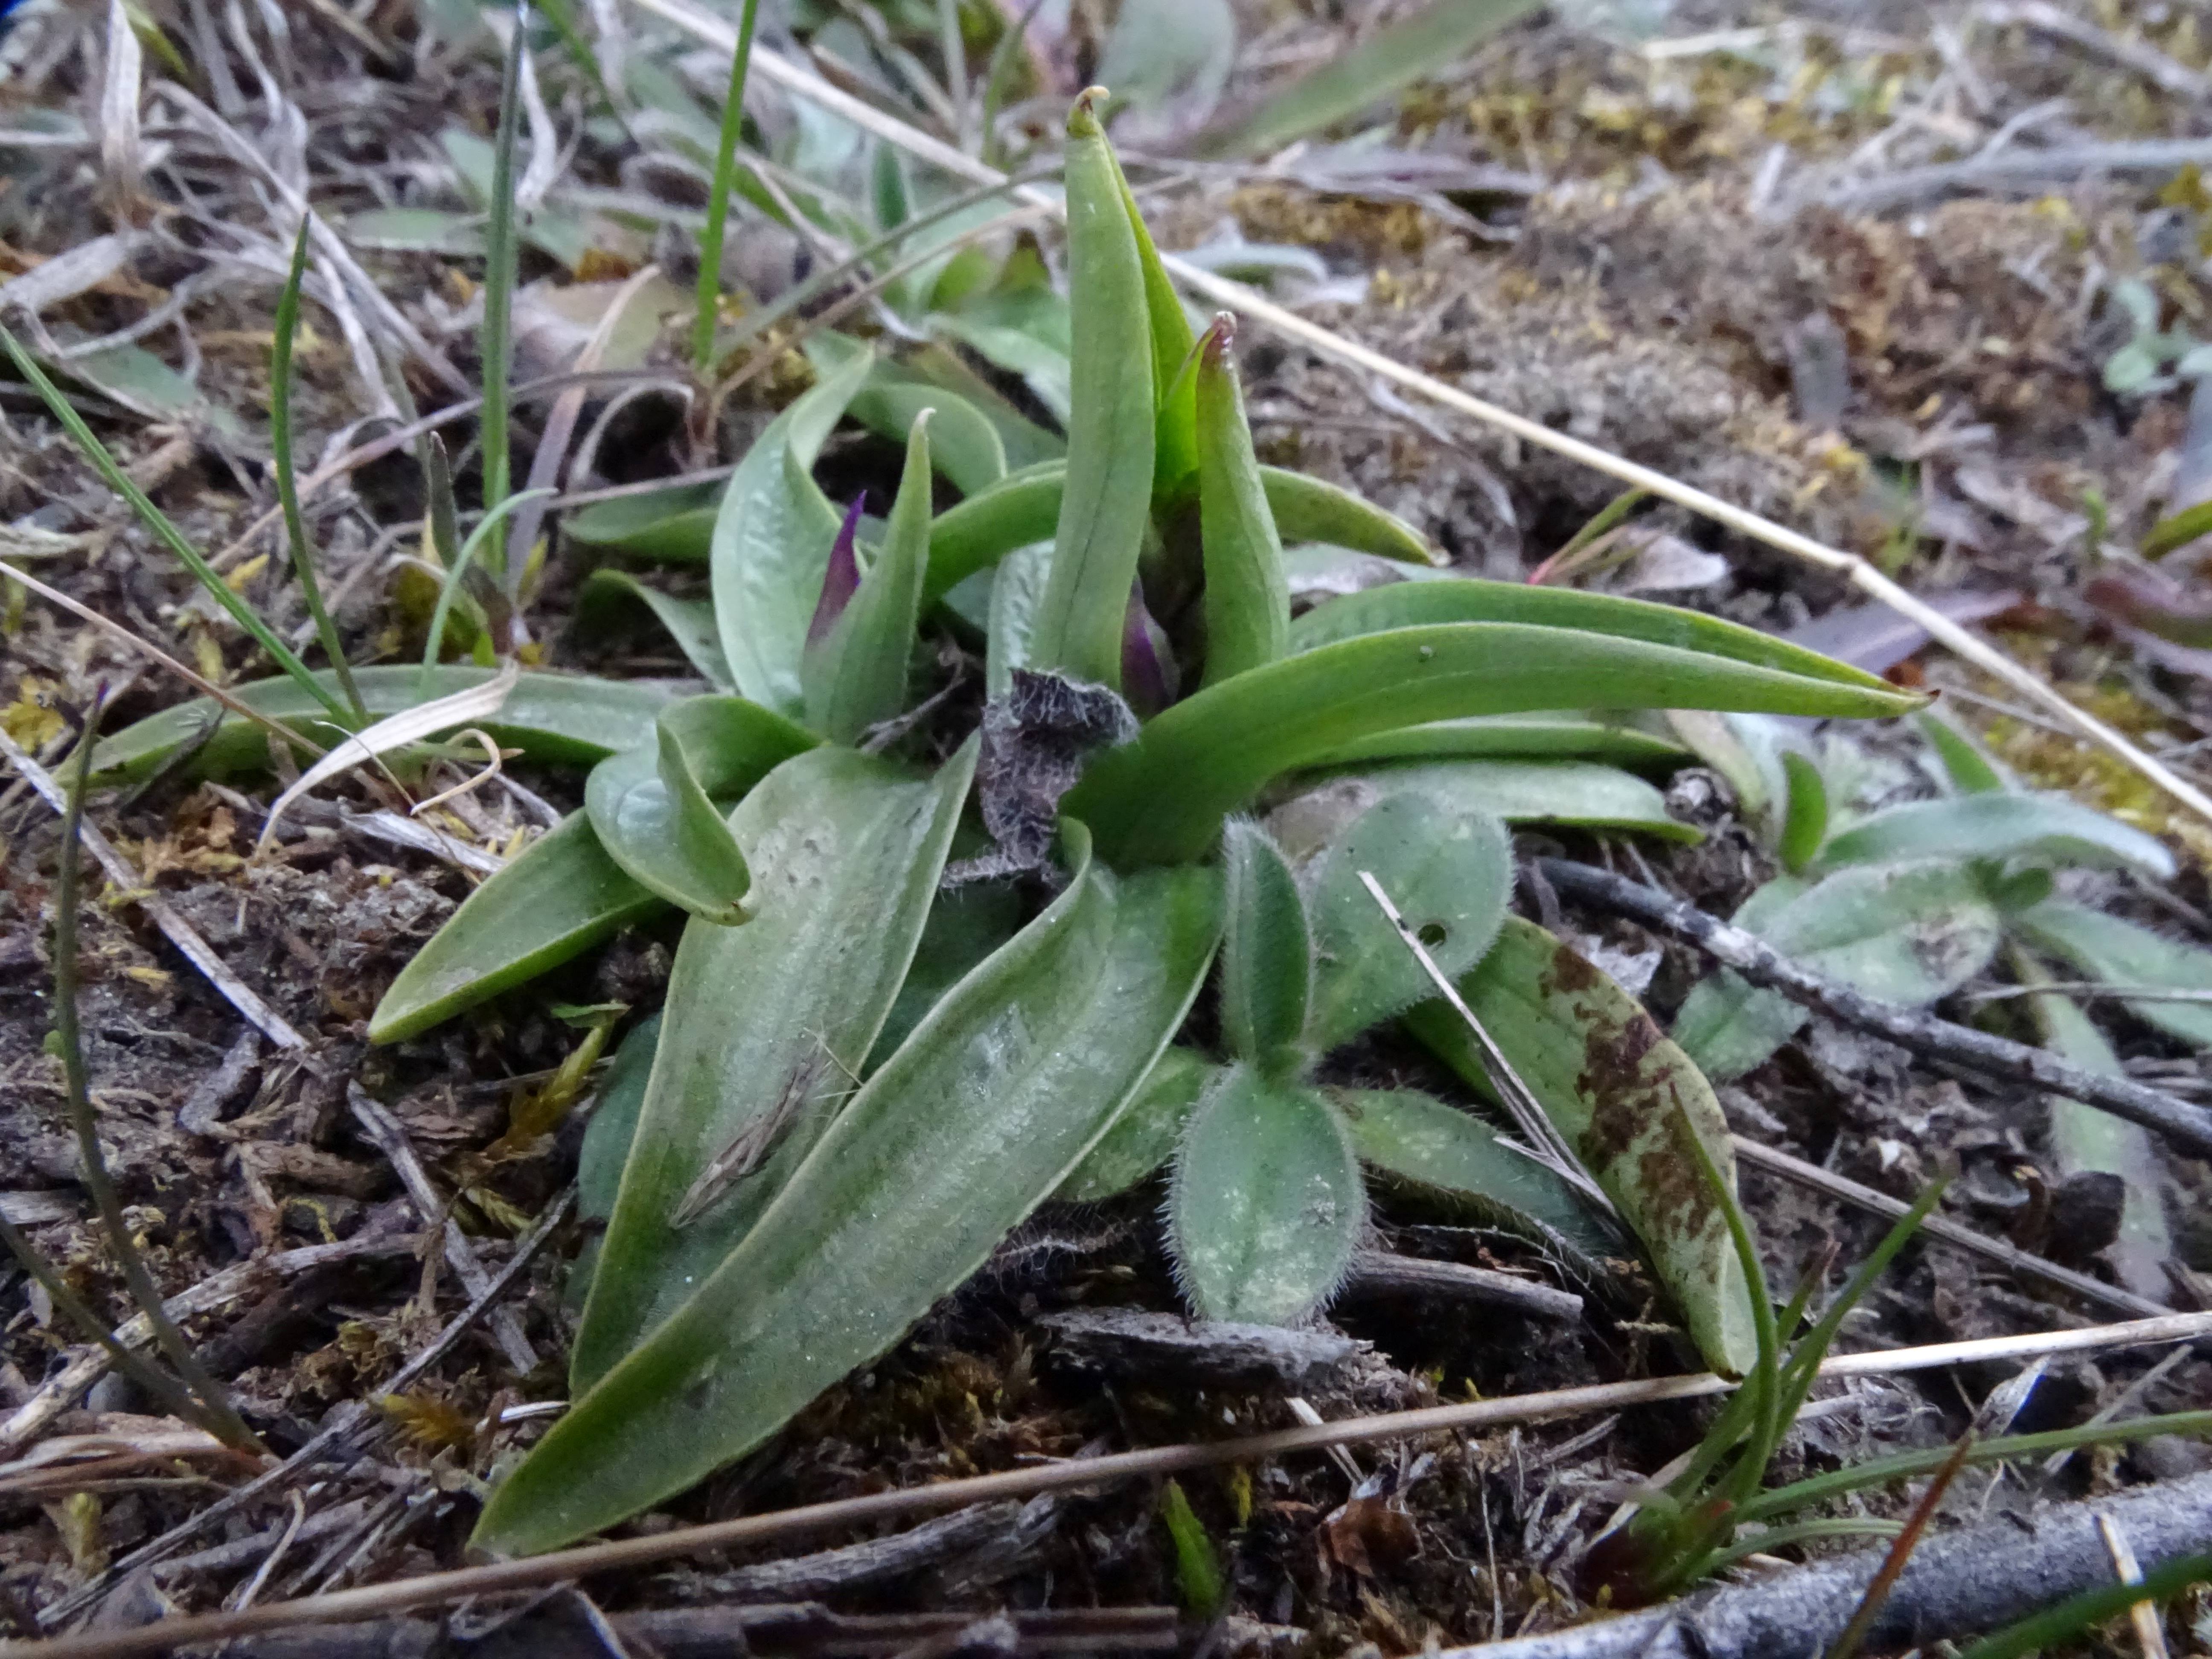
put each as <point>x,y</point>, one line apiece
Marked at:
<point>1249,303</point>
<point>390,1139</point>
<point>1940,1227</point>
<point>1386,1272</point>
<point>215,1413</point>
<point>1074,1474</point>
<point>1923,1034</point>
<point>1900,1551</point>
<point>178,932</point>
<point>2150,1632</point>
<point>349,1428</point>
<point>58,1392</point>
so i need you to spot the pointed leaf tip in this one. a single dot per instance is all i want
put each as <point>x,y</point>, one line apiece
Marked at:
<point>1149,679</point>
<point>1083,116</point>
<point>1219,338</point>
<point>842,579</point>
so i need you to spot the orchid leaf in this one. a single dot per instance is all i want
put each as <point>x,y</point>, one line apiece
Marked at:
<point>1512,737</point>
<point>963,445</point>
<point>855,676</point>
<point>1572,794</point>
<point>674,525</point>
<point>979,1116</point>
<point>690,622</point>
<point>1805,820</point>
<point>1143,1137</point>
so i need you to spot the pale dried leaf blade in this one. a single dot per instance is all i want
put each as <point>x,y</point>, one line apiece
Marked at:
<point>463,707</point>
<point>122,157</point>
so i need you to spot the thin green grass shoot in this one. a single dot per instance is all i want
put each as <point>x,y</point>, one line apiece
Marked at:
<point>718,200</point>
<point>495,336</point>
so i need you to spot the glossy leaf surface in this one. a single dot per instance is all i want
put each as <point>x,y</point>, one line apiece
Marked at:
<point>1511,737</point>
<point>1623,1097</point>
<point>771,544</point>
<point>1904,932</point>
<point>1266,953</point>
<point>855,676</point>
<point>1448,869</point>
<point>766,1025</point>
<point>1162,797</point>
<point>1246,600</point>
<point>963,445</point>
<point>560,896</point>
<point>1267,1201</point>
<point>655,807</point>
<point>977,1118</point>
<point>564,719</point>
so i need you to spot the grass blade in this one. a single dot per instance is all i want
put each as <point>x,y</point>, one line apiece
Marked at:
<point>2070,1618</point>
<point>288,481</point>
<point>166,532</point>
<point>495,336</point>
<point>718,200</point>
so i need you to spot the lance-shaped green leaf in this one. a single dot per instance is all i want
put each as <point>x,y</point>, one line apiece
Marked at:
<point>1448,869</point>
<point>1512,737</point>
<point>1143,1137</point>
<point>654,807</point>
<point>1805,824</point>
<point>1162,797</point>
<point>1107,502</point>
<point>1024,507</point>
<point>1268,1202</point>
<point>1267,954</point>
<point>2122,953</point>
<point>570,720</point>
<point>976,1118</point>
<point>1623,1097</point>
<point>966,924</point>
<point>772,541</point>
<point>2084,1140</point>
<point>1168,331</point>
<point>767,1024</point>
<point>855,671</point>
<point>558,896</point>
<point>606,1148</point>
<point>964,444</point>
<point>1904,932</point>
<point>690,622</point>
<point>1441,1152</point>
<point>1575,794</point>
<point>672,526</point>
<point>1414,605</point>
<point>1247,602</point>
<point>1016,593</point>
<point>2046,828</point>
<point>1965,762</point>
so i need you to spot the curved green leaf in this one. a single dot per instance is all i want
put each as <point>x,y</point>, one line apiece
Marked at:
<point>1904,932</point>
<point>771,544</point>
<point>654,807</point>
<point>1575,794</point>
<point>767,1024</point>
<point>1448,869</point>
<point>2121,953</point>
<point>964,446</point>
<point>1246,600</point>
<point>1512,737</point>
<point>1143,1137</point>
<point>690,622</point>
<point>1024,507</point>
<point>855,676</point>
<point>1266,1204</point>
<point>1623,1097</point>
<point>977,1118</point>
<point>2049,828</point>
<point>1016,590</point>
<point>1438,1148</point>
<point>966,924</point>
<point>558,896</point>
<point>606,1148</point>
<point>563,719</point>
<point>1805,824</point>
<point>672,526</point>
<point>1412,604</point>
<point>1966,764</point>
<point>1162,797</point>
<point>1266,953</point>
<point>1106,505</point>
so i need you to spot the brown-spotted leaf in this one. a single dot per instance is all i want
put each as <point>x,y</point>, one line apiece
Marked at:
<point>1624,1098</point>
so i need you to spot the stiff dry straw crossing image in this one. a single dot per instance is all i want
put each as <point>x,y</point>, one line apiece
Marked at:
<point>1234,827</point>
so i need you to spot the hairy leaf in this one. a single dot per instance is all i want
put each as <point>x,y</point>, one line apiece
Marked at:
<point>767,1024</point>
<point>655,807</point>
<point>2049,828</point>
<point>1448,869</point>
<point>977,1118</point>
<point>2122,953</point>
<point>1162,797</point>
<point>1143,1137</point>
<point>1266,1204</point>
<point>1623,1098</point>
<point>1267,954</point>
<point>560,896</point>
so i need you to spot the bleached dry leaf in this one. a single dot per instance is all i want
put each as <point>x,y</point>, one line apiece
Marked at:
<point>121,157</point>
<point>65,276</point>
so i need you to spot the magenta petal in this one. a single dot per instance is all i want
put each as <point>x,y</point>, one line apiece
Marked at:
<point>841,579</point>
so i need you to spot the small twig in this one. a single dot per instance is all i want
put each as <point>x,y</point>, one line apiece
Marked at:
<point>561,1566</point>
<point>390,1138</point>
<point>1550,1146</point>
<point>215,1413</point>
<point>2150,1631</point>
<point>1900,1551</point>
<point>1923,1034</point>
<point>178,932</point>
<point>1384,1271</point>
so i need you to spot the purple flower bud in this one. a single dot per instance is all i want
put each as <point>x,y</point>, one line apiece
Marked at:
<point>1148,669</point>
<point>841,579</point>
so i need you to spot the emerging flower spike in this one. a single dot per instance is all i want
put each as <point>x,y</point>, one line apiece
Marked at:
<point>1149,679</point>
<point>842,579</point>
